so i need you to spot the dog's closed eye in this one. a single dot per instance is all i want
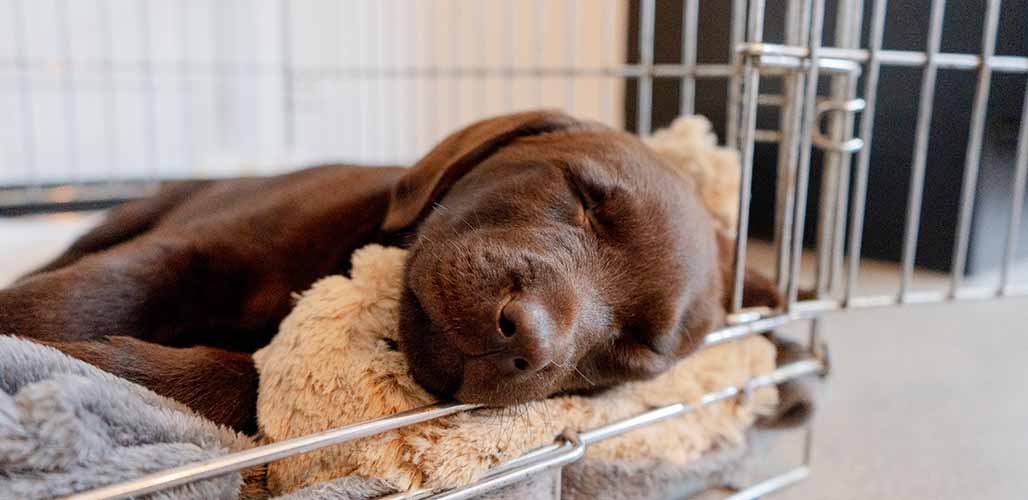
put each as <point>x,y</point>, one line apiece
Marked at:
<point>390,344</point>
<point>588,202</point>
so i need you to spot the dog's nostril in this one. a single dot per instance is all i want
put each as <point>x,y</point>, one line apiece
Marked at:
<point>521,364</point>
<point>507,327</point>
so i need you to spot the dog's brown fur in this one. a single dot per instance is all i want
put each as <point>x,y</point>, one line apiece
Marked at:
<point>613,256</point>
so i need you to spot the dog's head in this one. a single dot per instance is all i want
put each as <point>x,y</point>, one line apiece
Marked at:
<point>550,255</point>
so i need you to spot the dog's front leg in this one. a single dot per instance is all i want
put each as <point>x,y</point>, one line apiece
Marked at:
<point>217,384</point>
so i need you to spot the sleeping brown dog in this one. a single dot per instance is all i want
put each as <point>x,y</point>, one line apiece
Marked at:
<point>547,255</point>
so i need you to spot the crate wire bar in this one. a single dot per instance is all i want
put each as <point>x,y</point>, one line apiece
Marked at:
<point>797,63</point>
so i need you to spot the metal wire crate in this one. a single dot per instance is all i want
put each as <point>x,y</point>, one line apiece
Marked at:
<point>504,59</point>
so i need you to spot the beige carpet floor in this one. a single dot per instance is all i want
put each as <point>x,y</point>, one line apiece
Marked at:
<point>924,402</point>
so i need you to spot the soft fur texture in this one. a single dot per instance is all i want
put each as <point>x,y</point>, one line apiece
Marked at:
<point>691,146</point>
<point>67,427</point>
<point>332,364</point>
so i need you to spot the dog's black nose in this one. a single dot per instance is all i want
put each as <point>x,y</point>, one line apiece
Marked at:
<point>526,329</point>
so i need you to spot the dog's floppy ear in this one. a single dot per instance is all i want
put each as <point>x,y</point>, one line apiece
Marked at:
<point>433,175</point>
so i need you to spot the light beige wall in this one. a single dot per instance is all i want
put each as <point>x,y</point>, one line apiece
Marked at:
<point>138,88</point>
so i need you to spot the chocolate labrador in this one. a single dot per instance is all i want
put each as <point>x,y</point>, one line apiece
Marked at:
<point>547,255</point>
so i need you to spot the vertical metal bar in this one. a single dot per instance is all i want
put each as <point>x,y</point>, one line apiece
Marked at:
<point>572,53</point>
<point>923,134</point>
<point>797,13</point>
<point>690,29</point>
<point>749,120</point>
<point>813,344</point>
<point>864,157</point>
<point>1017,198</point>
<point>68,87</point>
<point>835,178</point>
<point>974,146</point>
<point>842,199</point>
<point>644,111</point>
<point>28,127</point>
<point>806,133</point>
<point>735,39</point>
<point>288,104</point>
<point>149,97</point>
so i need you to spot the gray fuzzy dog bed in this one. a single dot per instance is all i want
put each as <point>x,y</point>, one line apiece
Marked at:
<point>67,427</point>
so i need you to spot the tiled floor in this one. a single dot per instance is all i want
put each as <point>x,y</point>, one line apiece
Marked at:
<point>923,401</point>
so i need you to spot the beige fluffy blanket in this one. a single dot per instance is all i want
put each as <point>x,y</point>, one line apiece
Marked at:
<point>332,364</point>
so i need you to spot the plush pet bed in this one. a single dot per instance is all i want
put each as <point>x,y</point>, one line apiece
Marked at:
<point>66,427</point>
<point>333,363</point>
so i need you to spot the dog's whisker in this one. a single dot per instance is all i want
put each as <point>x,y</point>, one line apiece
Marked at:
<point>580,374</point>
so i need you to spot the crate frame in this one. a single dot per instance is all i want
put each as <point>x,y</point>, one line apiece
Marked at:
<point>799,60</point>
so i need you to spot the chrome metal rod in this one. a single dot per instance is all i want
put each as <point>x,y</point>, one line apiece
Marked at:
<point>856,236</point>
<point>772,485</point>
<point>806,134</point>
<point>943,60</point>
<point>267,453</point>
<point>1017,198</point>
<point>735,56</point>
<point>567,453</point>
<point>644,106</point>
<point>769,65</point>
<point>788,149</point>
<point>553,455</point>
<point>922,136</point>
<point>832,59</point>
<point>849,23</point>
<point>690,31</point>
<point>755,32</point>
<point>974,148</point>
